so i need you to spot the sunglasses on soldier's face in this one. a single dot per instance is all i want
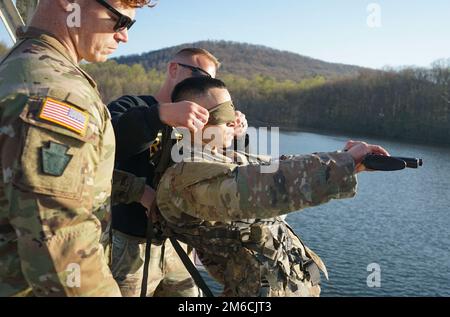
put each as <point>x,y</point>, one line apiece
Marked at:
<point>123,21</point>
<point>196,71</point>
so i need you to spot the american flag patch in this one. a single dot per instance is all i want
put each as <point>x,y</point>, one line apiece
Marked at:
<point>64,115</point>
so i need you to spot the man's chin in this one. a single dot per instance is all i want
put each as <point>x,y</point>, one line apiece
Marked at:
<point>102,58</point>
<point>97,58</point>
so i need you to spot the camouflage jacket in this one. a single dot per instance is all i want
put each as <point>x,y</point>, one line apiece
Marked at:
<point>231,214</point>
<point>214,188</point>
<point>57,156</point>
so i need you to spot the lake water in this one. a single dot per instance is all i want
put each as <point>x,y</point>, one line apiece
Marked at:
<point>398,220</point>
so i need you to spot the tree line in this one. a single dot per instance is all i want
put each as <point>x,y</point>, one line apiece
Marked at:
<point>409,104</point>
<point>245,60</point>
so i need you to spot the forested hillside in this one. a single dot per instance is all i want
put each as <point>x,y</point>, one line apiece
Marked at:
<point>246,60</point>
<point>409,104</point>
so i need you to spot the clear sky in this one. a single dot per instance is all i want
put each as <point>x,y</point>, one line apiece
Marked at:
<point>412,32</point>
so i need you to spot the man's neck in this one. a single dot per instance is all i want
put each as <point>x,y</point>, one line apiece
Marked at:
<point>163,95</point>
<point>60,33</point>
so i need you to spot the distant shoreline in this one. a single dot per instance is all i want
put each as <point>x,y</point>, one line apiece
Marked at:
<point>360,136</point>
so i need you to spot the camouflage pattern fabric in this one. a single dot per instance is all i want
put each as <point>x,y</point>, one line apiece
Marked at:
<point>167,275</point>
<point>56,172</point>
<point>249,274</point>
<point>220,190</point>
<point>126,188</point>
<point>230,214</point>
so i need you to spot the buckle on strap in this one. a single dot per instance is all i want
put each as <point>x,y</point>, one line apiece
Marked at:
<point>312,270</point>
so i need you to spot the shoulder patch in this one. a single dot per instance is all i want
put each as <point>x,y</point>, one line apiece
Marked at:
<point>64,115</point>
<point>55,159</point>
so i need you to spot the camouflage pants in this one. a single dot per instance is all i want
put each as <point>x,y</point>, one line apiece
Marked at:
<point>167,275</point>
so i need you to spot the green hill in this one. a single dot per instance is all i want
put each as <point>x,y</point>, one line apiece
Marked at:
<point>287,90</point>
<point>247,60</point>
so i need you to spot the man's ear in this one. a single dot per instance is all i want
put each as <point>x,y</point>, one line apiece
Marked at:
<point>172,69</point>
<point>64,4</point>
<point>69,5</point>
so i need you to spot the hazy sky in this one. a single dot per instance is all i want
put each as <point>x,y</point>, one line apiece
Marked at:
<point>412,32</point>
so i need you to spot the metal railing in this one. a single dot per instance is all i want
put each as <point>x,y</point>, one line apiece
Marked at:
<point>16,14</point>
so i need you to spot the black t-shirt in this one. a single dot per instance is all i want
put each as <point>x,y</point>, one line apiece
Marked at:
<point>136,124</point>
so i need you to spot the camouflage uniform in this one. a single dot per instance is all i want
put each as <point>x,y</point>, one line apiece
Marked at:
<point>56,174</point>
<point>167,275</point>
<point>231,213</point>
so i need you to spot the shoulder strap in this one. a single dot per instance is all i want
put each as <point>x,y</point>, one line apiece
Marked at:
<point>163,163</point>
<point>163,160</point>
<point>198,279</point>
<point>148,246</point>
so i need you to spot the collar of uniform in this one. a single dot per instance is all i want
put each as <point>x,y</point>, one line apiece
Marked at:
<point>207,154</point>
<point>49,38</point>
<point>45,36</point>
<point>237,157</point>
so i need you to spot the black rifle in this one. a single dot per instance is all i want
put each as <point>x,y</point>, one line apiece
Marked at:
<point>390,163</point>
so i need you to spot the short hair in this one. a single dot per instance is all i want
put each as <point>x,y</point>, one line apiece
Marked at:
<point>195,87</point>
<point>193,51</point>
<point>137,3</point>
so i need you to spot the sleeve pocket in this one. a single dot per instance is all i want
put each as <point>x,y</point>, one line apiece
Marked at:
<point>51,164</point>
<point>54,160</point>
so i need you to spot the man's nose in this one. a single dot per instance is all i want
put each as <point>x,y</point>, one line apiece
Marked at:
<point>122,36</point>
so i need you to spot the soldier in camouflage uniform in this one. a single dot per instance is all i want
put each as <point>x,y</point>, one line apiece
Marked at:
<point>57,153</point>
<point>231,212</point>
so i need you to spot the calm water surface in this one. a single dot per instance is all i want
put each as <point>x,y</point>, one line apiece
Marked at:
<point>399,220</point>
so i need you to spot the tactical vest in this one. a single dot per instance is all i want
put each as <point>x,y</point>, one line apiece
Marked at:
<point>271,241</point>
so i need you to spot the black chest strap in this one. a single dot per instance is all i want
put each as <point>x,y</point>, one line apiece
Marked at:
<point>198,279</point>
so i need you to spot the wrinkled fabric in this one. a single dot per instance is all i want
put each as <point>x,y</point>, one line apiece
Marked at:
<point>231,214</point>
<point>167,275</point>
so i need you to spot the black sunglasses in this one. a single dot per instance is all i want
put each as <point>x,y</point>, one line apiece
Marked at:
<point>196,71</point>
<point>123,21</point>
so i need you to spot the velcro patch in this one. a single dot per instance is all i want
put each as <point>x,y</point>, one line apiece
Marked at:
<point>55,159</point>
<point>64,115</point>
